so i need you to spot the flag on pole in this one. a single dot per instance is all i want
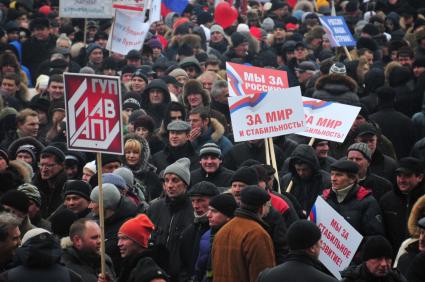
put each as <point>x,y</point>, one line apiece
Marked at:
<point>168,6</point>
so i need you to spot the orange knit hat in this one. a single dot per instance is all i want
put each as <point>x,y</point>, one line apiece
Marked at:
<point>138,229</point>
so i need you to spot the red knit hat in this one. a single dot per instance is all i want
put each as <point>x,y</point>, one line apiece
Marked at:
<point>138,229</point>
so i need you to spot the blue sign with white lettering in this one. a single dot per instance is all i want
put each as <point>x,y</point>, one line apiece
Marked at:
<point>337,30</point>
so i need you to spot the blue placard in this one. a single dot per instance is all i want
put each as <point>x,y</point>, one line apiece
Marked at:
<point>337,30</point>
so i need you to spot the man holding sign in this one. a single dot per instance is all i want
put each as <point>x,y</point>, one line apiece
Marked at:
<point>352,201</point>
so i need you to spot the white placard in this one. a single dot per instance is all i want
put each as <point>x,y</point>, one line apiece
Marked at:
<point>97,9</point>
<point>328,120</point>
<point>269,114</point>
<point>340,240</point>
<point>128,32</point>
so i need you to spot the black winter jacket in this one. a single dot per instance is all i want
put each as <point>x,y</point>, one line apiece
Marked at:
<point>306,190</point>
<point>359,208</point>
<point>169,155</point>
<point>221,177</point>
<point>396,208</point>
<point>298,267</point>
<point>171,217</point>
<point>360,273</point>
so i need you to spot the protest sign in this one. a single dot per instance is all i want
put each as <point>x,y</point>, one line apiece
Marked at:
<point>245,80</point>
<point>128,32</point>
<point>268,114</point>
<point>96,9</point>
<point>328,120</point>
<point>337,31</point>
<point>154,11</point>
<point>93,113</point>
<point>339,239</point>
<point>132,5</point>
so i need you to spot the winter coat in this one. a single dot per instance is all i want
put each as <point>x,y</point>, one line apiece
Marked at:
<point>169,155</point>
<point>244,151</point>
<point>277,231</point>
<point>337,88</point>
<point>396,208</point>
<point>221,177</point>
<point>38,260</point>
<point>416,271</point>
<point>214,134</point>
<point>223,109</point>
<point>171,217</point>
<point>141,268</point>
<point>157,112</point>
<point>242,249</point>
<point>383,165</point>
<point>189,248</point>
<point>398,128</point>
<point>359,273</point>
<point>204,256</point>
<point>359,208</point>
<point>87,266</point>
<point>418,150</point>
<point>51,192</point>
<point>298,267</point>
<point>306,190</point>
<point>406,259</point>
<point>124,211</point>
<point>144,172</point>
<point>378,185</point>
<point>34,52</point>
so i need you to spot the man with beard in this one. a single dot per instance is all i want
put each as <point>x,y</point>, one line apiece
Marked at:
<point>83,256</point>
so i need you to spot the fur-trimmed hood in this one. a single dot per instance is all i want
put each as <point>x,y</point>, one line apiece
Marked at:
<point>28,140</point>
<point>144,155</point>
<point>218,129</point>
<point>325,81</point>
<point>192,40</point>
<point>418,211</point>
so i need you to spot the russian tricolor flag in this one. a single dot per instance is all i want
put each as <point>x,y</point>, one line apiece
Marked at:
<point>168,6</point>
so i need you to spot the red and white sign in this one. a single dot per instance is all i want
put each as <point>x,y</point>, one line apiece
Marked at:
<point>328,120</point>
<point>244,80</point>
<point>132,5</point>
<point>340,240</point>
<point>93,113</point>
<point>268,114</point>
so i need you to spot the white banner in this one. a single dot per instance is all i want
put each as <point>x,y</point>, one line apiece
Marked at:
<point>340,240</point>
<point>268,114</point>
<point>97,9</point>
<point>328,120</point>
<point>155,11</point>
<point>128,32</point>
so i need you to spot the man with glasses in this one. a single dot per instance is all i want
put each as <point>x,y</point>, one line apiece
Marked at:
<point>50,179</point>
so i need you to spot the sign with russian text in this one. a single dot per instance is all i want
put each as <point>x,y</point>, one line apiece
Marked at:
<point>93,113</point>
<point>328,120</point>
<point>340,240</point>
<point>128,32</point>
<point>337,30</point>
<point>268,114</point>
<point>97,9</point>
<point>244,80</point>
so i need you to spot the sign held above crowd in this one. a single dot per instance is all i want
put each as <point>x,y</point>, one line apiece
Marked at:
<point>244,80</point>
<point>97,9</point>
<point>337,30</point>
<point>93,113</point>
<point>328,120</point>
<point>268,114</point>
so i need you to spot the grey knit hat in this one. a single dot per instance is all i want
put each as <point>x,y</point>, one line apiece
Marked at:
<point>181,168</point>
<point>338,68</point>
<point>362,148</point>
<point>210,149</point>
<point>217,28</point>
<point>111,195</point>
<point>126,174</point>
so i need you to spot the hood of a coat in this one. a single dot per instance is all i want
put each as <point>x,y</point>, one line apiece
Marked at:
<point>336,84</point>
<point>40,251</point>
<point>306,154</point>
<point>144,154</point>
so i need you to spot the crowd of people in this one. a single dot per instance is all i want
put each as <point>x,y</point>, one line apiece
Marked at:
<point>185,202</point>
